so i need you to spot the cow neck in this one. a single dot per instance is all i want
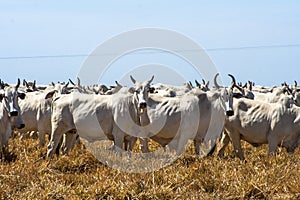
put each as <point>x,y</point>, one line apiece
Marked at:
<point>4,117</point>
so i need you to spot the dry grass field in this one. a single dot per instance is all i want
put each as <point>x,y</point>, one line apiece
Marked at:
<point>26,175</point>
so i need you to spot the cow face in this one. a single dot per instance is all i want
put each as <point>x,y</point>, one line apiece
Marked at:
<point>227,97</point>
<point>11,105</point>
<point>141,92</point>
<point>296,95</point>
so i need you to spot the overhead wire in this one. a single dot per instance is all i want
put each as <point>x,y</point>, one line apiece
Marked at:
<point>153,52</point>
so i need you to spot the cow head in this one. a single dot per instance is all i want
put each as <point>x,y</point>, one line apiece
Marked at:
<point>9,98</point>
<point>228,97</point>
<point>30,86</point>
<point>240,91</point>
<point>141,92</point>
<point>57,89</point>
<point>226,94</point>
<point>204,86</point>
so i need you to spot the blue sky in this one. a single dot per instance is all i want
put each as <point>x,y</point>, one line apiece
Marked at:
<point>36,28</point>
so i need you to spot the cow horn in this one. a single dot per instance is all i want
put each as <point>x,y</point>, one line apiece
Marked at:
<point>238,87</point>
<point>71,82</point>
<point>215,81</point>
<point>250,85</point>
<point>197,83</point>
<point>34,85</point>
<point>295,83</point>
<point>289,91</point>
<point>151,80</point>
<point>233,79</point>
<point>26,84</point>
<point>203,81</point>
<point>190,84</point>
<point>18,84</point>
<point>118,84</point>
<point>207,84</point>
<point>78,81</point>
<point>132,79</point>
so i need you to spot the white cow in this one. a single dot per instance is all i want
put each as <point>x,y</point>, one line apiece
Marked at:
<point>96,117</point>
<point>173,121</point>
<point>9,113</point>
<point>36,110</point>
<point>262,123</point>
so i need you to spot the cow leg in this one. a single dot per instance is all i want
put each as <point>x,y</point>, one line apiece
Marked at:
<point>4,152</point>
<point>126,145</point>
<point>69,140</point>
<point>42,131</point>
<point>273,143</point>
<point>164,148</point>
<point>58,146</point>
<point>57,132</point>
<point>118,139</point>
<point>1,145</point>
<point>197,147</point>
<point>223,144</point>
<point>236,142</point>
<point>182,142</point>
<point>131,143</point>
<point>42,138</point>
<point>144,145</point>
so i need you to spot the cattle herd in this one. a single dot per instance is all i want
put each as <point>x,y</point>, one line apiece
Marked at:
<point>167,114</point>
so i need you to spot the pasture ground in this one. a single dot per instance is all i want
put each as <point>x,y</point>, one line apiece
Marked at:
<point>80,176</point>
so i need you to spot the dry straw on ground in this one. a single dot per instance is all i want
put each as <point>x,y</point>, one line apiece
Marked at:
<point>81,176</point>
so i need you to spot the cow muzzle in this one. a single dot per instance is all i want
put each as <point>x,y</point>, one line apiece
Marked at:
<point>14,113</point>
<point>21,126</point>
<point>142,107</point>
<point>229,113</point>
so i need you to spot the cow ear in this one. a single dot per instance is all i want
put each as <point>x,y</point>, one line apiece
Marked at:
<point>21,95</point>
<point>50,94</point>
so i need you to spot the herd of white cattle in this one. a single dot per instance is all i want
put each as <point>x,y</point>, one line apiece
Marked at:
<point>169,115</point>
